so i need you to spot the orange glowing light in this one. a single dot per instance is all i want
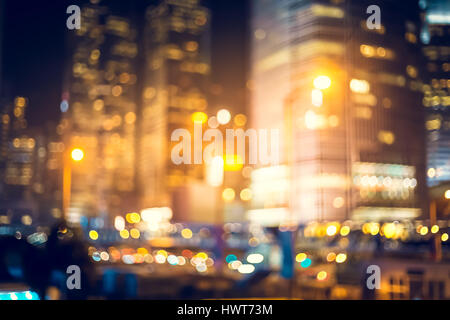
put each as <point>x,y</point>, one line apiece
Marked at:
<point>322,82</point>
<point>77,155</point>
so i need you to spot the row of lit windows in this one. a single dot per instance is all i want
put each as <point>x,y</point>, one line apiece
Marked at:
<point>327,11</point>
<point>125,49</point>
<point>440,83</point>
<point>118,26</point>
<point>181,25</point>
<point>437,124</point>
<point>173,51</point>
<point>192,67</point>
<point>369,51</point>
<point>24,143</point>
<point>436,101</point>
<point>437,53</point>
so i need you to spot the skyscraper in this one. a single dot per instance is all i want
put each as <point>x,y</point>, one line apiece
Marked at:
<point>436,37</point>
<point>177,66</point>
<point>99,107</point>
<point>19,170</point>
<point>347,98</point>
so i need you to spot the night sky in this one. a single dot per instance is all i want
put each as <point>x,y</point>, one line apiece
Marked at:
<point>33,55</point>
<point>34,51</point>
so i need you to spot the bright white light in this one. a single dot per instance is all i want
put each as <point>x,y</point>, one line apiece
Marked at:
<point>214,173</point>
<point>322,82</point>
<point>64,106</point>
<point>223,116</point>
<point>255,258</point>
<point>119,223</point>
<point>246,268</point>
<point>447,194</point>
<point>128,259</point>
<point>438,18</point>
<point>235,264</point>
<point>159,258</point>
<point>201,267</point>
<point>317,98</point>
<point>173,260</point>
<point>359,86</point>
<point>156,215</point>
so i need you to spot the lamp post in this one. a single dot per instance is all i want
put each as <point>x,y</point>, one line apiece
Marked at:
<point>75,155</point>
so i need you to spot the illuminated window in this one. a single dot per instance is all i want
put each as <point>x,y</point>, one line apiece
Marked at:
<point>20,102</point>
<point>174,52</point>
<point>191,46</point>
<point>327,11</point>
<point>398,288</point>
<point>411,37</point>
<point>392,79</point>
<point>364,113</point>
<point>386,137</point>
<point>369,51</point>
<point>365,99</point>
<point>116,91</point>
<point>95,54</point>
<point>117,26</point>
<point>359,86</point>
<point>434,124</point>
<point>201,20</point>
<point>411,71</point>
<point>446,67</point>
<point>387,103</point>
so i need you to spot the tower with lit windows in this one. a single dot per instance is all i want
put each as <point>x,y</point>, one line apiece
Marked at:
<point>176,70</point>
<point>99,111</point>
<point>20,170</point>
<point>347,99</point>
<point>4,120</point>
<point>436,37</point>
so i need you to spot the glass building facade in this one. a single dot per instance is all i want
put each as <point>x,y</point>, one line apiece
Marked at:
<point>436,38</point>
<point>347,106</point>
<point>177,67</point>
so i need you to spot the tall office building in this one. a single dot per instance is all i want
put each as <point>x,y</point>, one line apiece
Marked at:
<point>176,70</point>
<point>346,98</point>
<point>19,172</point>
<point>2,100</point>
<point>99,112</point>
<point>436,37</point>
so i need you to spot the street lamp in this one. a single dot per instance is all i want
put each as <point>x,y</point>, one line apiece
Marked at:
<point>322,82</point>
<point>75,155</point>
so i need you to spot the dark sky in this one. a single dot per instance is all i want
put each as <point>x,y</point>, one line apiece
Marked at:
<point>34,54</point>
